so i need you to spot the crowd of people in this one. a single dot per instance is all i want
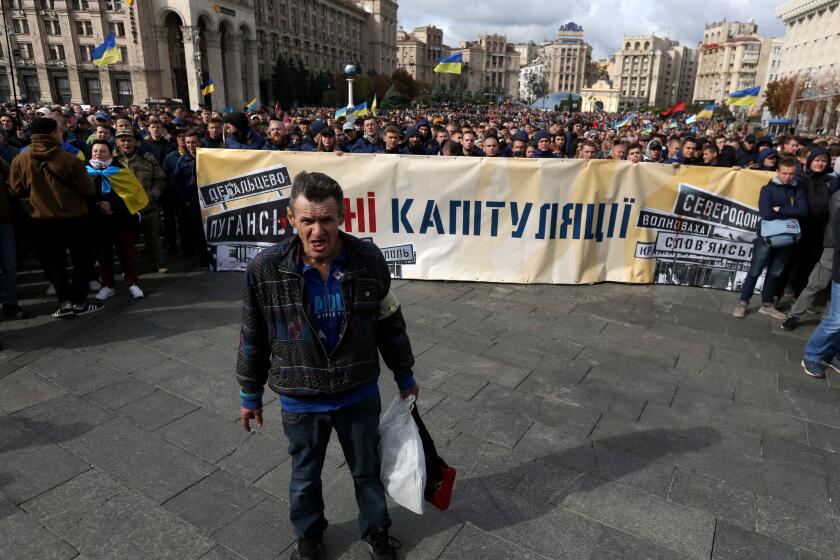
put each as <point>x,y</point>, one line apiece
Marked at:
<point>59,167</point>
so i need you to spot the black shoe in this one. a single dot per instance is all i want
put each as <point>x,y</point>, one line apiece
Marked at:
<point>66,310</point>
<point>308,549</point>
<point>15,312</point>
<point>382,547</point>
<point>790,323</point>
<point>87,308</point>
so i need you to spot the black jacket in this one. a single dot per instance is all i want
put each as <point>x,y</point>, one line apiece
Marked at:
<point>279,345</point>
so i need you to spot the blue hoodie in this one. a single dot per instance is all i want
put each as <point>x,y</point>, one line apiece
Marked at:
<point>253,141</point>
<point>763,155</point>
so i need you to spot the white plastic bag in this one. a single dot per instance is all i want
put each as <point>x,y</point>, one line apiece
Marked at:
<point>403,467</point>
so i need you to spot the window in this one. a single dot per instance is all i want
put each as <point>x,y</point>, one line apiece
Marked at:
<point>20,25</point>
<point>55,52</point>
<point>123,55</point>
<point>123,91</point>
<point>114,5</point>
<point>52,27</point>
<point>17,4</point>
<point>84,28</point>
<point>61,89</point>
<point>79,5</point>
<point>26,52</point>
<point>5,90</point>
<point>31,88</point>
<point>86,53</point>
<point>93,90</point>
<point>117,28</point>
<point>48,4</point>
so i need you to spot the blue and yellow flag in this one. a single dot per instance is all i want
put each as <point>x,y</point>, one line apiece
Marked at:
<point>707,113</point>
<point>373,106</point>
<point>251,104</point>
<point>207,87</point>
<point>359,110</point>
<point>341,112</point>
<point>107,52</point>
<point>691,120</point>
<point>450,64</point>
<point>744,98</point>
<point>124,183</point>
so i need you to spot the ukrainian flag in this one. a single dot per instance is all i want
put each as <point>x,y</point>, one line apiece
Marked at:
<point>341,112</point>
<point>251,104</point>
<point>124,183</point>
<point>373,106</point>
<point>690,120</point>
<point>744,98</point>
<point>450,64</point>
<point>707,113</point>
<point>207,87</point>
<point>359,110</point>
<point>107,52</point>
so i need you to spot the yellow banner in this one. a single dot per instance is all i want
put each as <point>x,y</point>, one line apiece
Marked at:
<point>501,219</point>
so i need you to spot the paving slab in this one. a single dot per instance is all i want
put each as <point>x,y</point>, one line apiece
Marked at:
<point>142,461</point>
<point>62,418</point>
<point>261,533</point>
<point>104,519</point>
<point>798,526</point>
<point>736,543</point>
<point>25,388</point>
<point>156,409</point>
<point>21,538</point>
<point>204,434</point>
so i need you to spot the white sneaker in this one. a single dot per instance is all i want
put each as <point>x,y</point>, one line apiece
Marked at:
<point>104,293</point>
<point>50,290</point>
<point>94,286</point>
<point>136,292</point>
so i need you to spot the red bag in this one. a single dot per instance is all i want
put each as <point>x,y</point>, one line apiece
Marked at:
<point>440,477</point>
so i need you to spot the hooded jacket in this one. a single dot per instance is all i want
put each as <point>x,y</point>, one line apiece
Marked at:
<point>49,197</point>
<point>818,188</point>
<point>790,199</point>
<point>763,155</point>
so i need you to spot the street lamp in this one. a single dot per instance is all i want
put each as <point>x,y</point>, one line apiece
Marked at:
<point>196,37</point>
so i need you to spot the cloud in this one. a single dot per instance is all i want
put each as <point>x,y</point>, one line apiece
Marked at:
<point>605,22</point>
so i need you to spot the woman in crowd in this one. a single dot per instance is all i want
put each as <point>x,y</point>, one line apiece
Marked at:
<point>115,218</point>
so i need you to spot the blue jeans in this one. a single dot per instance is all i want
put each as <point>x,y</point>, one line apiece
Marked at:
<point>357,427</point>
<point>824,343</point>
<point>8,265</point>
<point>775,261</point>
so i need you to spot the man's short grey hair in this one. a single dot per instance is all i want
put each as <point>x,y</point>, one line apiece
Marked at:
<point>316,187</point>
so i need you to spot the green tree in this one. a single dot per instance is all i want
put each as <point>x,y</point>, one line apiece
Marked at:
<point>393,99</point>
<point>282,85</point>
<point>406,85</point>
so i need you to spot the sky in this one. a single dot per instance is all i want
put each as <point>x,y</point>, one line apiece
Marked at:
<point>604,22</point>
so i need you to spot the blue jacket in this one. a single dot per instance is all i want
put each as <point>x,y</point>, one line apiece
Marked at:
<point>541,154</point>
<point>419,150</point>
<point>253,141</point>
<point>365,146</point>
<point>208,142</point>
<point>790,199</point>
<point>183,179</point>
<point>763,155</point>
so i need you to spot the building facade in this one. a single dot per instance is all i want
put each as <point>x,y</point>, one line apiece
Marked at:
<point>418,52</point>
<point>810,55</point>
<point>490,68</point>
<point>567,60</point>
<point>653,71</point>
<point>732,57</point>
<point>169,47</point>
<point>533,71</point>
<point>528,52</point>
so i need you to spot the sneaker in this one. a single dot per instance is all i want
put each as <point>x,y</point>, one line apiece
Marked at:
<point>94,286</point>
<point>66,310</point>
<point>790,323</point>
<point>135,291</point>
<point>87,308</point>
<point>740,310</point>
<point>50,290</point>
<point>772,311</point>
<point>104,293</point>
<point>814,369</point>
<point>834,363</point>
<point>382,547</point>
<point>308,549</point>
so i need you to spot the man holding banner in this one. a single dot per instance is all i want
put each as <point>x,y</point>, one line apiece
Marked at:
<point>317,313</point>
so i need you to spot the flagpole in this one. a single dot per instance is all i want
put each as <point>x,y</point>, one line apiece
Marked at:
<point>8,31</point>
<point>350,71</point>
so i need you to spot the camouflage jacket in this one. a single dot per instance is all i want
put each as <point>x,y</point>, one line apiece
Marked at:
<point>150,174</point>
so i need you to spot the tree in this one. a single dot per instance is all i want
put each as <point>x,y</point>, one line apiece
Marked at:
<point>406,85</point>
<point>537,87</point>
<point>393,99</point>
<point>779,95</point>
<point>440,92</point>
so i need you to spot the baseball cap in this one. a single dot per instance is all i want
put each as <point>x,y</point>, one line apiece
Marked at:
<point>124,134</point>
<point>43,111</point>
<point>102,116</point>
<point>348,126</point>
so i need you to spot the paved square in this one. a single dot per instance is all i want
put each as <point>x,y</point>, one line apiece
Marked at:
<point>607,422</point>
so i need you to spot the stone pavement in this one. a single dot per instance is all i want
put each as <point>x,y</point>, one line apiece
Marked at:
<point>588,422</point>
